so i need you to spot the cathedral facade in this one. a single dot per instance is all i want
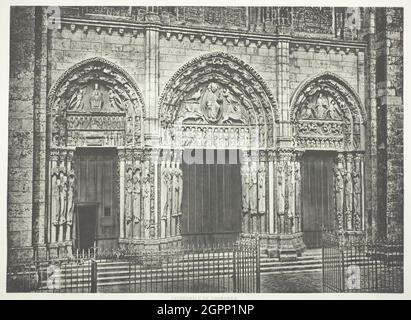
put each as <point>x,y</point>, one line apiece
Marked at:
<point>156,126</point>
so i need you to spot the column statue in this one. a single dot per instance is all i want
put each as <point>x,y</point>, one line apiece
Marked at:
<point>357,192</point>
<point>71,193</point>
<point>129,202</point>
<point>339,191</point>
<point>245,180</point>
<point>63,202</point>
<point>281,196</point>
<point>348,192</point>
<point>136,201</point>
<point>297,178</point>
<point>146,187</point>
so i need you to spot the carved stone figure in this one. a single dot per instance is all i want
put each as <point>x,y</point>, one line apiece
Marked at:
<point>96,99</point>
<point>70,204</point>
<point>136,200</point>
<point>76,102</point>
<point>129,202</point>
<point>146,197</point>
<point>191,109</point>
<point>245,175</point>
<point>333,113</point>
<point>175,191</point>
<point>339,191</point>
<point>232,111</point>
<point>116,103</point>
<point>55,195</point>
<point>321,106</point>
<point>253,189</point>
<point>245,180</point>
<point>213,104</point>
<point>348,192</point>
<point>62,189</point>
<point>357,193</point>
<point>261,189</point>
<point>167,193</point>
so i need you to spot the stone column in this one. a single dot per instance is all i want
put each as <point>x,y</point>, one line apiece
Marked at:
<point>151,85</point>
<point>297,194</point>
<point>262,196</point>
<point>121,166</point>
<point>163,198</point>
<point>271,192</point>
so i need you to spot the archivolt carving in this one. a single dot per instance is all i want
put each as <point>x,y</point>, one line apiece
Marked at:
<point>327,114</point>
<point>218,89</point>
<point>96,103</point>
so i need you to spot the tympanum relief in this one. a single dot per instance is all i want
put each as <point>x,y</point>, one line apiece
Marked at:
<point>212,103</point>
<point>327,116</point>
<point>95,105</point>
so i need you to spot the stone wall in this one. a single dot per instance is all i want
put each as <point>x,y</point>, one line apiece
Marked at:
<point>20,157</point>
<point>389,92</point>
<point>152,54</point>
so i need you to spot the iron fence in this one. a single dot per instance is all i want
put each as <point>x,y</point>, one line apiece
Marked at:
<point>361,265</point>
<point>54,275</point>
<point>190,268</point>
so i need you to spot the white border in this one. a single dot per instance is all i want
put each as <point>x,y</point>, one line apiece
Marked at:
<point>4,83</point>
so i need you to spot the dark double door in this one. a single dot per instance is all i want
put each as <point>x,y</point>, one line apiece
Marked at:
<point>317,196</point>
<point>212,199</point>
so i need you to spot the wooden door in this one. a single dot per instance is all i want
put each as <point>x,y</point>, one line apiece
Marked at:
<point>317,196</point>
<point>97,183</point>
<point>211,200</point>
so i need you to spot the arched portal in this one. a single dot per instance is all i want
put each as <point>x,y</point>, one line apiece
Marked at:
<point>216,104</point>
<point>328,120</point>
<point>95,114</point>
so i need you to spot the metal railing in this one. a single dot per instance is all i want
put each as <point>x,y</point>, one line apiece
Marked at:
<point>55,275</point>
<point>230,267</point>
<point>360,265</point>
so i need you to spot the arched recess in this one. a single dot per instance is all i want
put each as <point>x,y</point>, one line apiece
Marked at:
<point>216,101</point>
<point>329,128</point>
<point>95,94</point>
<point>213,93</point>
<point>327,114</point>
<point>94,125</point>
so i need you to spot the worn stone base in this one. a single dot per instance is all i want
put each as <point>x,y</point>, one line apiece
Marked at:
<point>283,246</point>
<point>354,235</point>
<point>151,244</point>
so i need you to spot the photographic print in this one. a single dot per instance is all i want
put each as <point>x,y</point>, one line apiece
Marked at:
<point>200,149</point>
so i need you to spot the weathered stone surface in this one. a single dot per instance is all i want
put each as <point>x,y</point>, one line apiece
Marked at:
<point>153,55</point>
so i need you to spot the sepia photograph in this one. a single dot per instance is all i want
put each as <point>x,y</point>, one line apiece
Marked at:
<point>205,149</point>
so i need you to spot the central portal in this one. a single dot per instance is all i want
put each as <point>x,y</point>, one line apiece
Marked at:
<point>211,203</point>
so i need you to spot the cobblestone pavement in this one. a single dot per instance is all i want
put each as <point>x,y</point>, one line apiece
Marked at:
<point>292,282</point>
